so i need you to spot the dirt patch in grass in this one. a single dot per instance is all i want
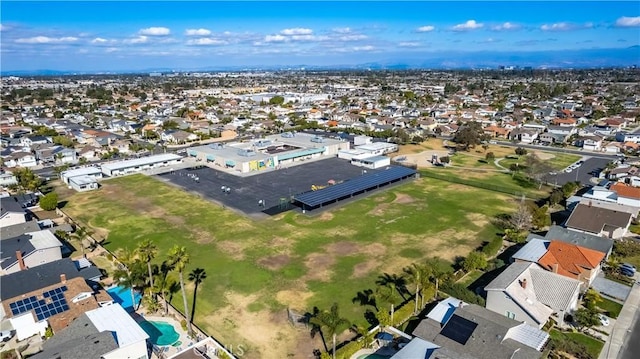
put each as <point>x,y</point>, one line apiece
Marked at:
<point>362,269</point>
<point>232,249</point>
<point>274,262</point>
<point>374,249</point>
<point>340,232</point>
<point>261,334</point>
<point>325,216</point>
<point>202,237</point>
<point>544,155</point>
<point>294,299</point>
<point>319,267</point>
<point>343,248</point>
<point>477,219</point>
<point>279,242</point>
<point>402,198</point>
<point>379,210</point>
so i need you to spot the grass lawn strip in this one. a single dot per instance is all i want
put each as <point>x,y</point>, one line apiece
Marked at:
<point>611,308</point>
<point>593,346</point>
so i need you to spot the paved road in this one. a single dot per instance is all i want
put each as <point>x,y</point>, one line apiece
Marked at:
<point>631,349</point>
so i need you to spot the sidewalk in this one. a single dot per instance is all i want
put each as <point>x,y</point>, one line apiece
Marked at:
<point>623,325</point>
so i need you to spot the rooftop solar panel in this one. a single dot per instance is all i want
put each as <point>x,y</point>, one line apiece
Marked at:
<point>355,185</point>
<point>459,329</point>
<point>64,288</point>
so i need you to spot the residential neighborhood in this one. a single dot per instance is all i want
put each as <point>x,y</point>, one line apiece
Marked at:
<point>551,157</point>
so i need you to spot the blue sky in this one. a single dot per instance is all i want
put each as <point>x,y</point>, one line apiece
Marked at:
<point>121,35</point>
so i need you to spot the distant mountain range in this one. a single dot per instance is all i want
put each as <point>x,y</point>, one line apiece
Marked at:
<point>561,59</point>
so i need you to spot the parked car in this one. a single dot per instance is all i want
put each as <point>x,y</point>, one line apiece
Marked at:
<point>6,335</point>
<point>627,271</point>
<point>628,266</point>
<point>604,321</point>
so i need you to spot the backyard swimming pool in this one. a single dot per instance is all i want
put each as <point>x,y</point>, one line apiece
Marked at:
<point>160,333</point>
<point>122,296</point>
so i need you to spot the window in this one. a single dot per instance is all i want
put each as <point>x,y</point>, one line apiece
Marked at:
<point>511,315</point>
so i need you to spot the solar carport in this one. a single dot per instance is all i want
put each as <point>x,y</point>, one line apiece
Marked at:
<point>353,187</point>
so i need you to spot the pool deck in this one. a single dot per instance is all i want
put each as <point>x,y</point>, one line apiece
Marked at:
<point>169,350</point>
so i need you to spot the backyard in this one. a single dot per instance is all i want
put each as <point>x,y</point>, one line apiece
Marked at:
<point>256,269</point>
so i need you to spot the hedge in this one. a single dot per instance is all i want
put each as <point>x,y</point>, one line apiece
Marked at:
<point>460,291</point>
<point>491,248</point>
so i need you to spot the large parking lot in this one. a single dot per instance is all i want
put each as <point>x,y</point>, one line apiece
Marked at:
<point>590,168</point>
<point>274,188</point>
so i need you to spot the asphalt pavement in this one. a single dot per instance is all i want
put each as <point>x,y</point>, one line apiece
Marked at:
<point>269,192</point>
<point>583,174</point>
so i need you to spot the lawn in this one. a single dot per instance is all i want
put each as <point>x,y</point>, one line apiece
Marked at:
<point>593,346</point>
<point>611,308</point>
<point>255,269</point>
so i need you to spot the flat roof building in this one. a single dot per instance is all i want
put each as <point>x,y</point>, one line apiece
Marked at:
<point>270,152</point>
<point>139,164</point>
<point>94,172</point>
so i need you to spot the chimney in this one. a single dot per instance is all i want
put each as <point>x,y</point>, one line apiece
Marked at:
<point>523,283</point>
<point>63,278</point>
<point>554,267</point>
<point>20,260</point>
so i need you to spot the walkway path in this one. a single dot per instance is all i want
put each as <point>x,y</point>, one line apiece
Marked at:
<point>623,326</point>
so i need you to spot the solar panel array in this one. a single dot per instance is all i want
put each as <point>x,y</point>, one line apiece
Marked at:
<point>459,329</point>
<point>357,184</point>
<point>53,303</point>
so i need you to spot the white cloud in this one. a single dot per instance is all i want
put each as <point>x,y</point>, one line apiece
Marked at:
<point>155,31</point>
<point>46,40</point>
<point>137,40</point>
<point>426,28</point>
<point>364,48</point>
<point>111,49</point>
<point>408,44</point>
<point>506,26</point>
<point>3,27</point>
<point>99,40</point>
<point>206,41</point>
<point>469,25</point>
<point>342,30</point>
<point>628,21</point>
<point>353,37</point>
<point>275,38</point>
<point>559,26</point>
<point>296,31</point>
<point>197,32</point>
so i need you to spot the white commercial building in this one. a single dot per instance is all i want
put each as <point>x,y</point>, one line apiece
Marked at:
<point>139,164</point>
<point>92,172</point>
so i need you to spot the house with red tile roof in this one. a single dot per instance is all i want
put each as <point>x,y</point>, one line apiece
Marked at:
<point>572,261</point>
<point>627,194</point>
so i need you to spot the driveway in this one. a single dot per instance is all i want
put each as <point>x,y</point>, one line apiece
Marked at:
<point>610,288</point>
<point>583,174</point>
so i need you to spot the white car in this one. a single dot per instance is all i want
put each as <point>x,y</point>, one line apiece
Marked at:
<point>604,321</point>
<point>6,335</point>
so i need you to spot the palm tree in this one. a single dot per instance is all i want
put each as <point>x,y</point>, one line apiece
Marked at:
<point>197,276</point>
<point>129,280</point>
<point>419,275</point>
<point>330,323</point>
<point>438,274</point>
<point>388,293</point>
<point>179,257</point>
<point>126,256</point>
<point>147,251</point>
<point>80,234</point>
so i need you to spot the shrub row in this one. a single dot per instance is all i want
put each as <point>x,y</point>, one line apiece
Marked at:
<point>460,291</point>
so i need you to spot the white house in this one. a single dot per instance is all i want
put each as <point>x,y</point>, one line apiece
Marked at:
<point>131,339</point>
<point>525,292</point>
<point>11,212</point>
<point>29,250</point>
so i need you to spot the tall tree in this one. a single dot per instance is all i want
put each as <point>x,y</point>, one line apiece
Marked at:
<point>147,251</point>
<point>418,274</point>
<point>330,323</point>
<point>179,257</point>
<point>80,234</point>
<point>196,276</point>
<point>470,135</point>
<point>438,273</point>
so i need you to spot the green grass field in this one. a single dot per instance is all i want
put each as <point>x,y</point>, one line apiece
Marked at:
<point>593,346</point>
<point>611,308</point>
<point>255,269</point>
